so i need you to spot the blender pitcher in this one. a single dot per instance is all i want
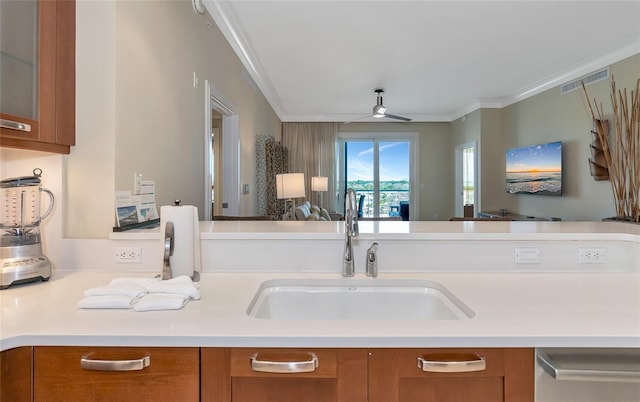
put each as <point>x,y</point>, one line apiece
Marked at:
<point>21,257</point>
<point>21,203</point>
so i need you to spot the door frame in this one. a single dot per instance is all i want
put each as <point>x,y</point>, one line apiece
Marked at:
<point>377,137</point>
<point>459,182</point>
<point>230,196</point>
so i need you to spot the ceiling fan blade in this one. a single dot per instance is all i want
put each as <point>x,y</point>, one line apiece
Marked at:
<point>357,119</point>
<point>393,116</point>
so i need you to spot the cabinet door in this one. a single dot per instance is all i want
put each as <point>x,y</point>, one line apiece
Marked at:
<point>37,69</point>
<point>16,374</point>
<point>301,375</point>
<point>451,375</point>
<point>94,374</point>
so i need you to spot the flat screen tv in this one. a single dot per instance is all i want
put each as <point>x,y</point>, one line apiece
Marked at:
<point>535,170</point>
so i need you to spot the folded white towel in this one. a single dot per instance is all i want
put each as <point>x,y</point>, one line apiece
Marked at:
<point>181,285</point>
<point>112,301</point>
<point>138,281</point>
<point>128,288</point>
<point>160,301</point>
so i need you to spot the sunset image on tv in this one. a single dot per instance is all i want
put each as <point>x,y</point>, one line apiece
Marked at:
<point>535,170</point>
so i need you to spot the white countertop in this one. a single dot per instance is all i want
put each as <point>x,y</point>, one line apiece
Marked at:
<point>400,230</point>
<point>512,310</point>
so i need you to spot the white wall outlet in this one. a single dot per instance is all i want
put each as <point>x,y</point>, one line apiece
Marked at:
<point>128,255</point>
<point>591,255</point>
<point>527,255</point>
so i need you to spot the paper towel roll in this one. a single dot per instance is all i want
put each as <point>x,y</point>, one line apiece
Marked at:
<point>186,241</point>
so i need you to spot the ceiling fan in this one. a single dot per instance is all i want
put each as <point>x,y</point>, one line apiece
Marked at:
<point>380,111</point>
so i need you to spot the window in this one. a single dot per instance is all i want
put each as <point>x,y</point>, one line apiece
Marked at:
<point>379,167</point>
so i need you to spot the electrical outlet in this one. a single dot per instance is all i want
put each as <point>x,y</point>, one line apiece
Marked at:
<point>527,255</point>
<point>128,255</point>
<point>591,256</point>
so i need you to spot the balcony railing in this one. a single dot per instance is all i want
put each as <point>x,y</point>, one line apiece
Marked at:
<point>389,202</point>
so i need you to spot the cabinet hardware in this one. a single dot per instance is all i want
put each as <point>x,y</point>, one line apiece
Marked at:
<point>115,365</point>
<point>15,125</point>
<point>451,362</point>
<point>267,366</point>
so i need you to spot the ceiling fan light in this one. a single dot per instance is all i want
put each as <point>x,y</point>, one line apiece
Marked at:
<point>379,111</point>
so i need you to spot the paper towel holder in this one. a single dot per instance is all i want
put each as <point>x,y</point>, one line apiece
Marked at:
<point>168,251</point>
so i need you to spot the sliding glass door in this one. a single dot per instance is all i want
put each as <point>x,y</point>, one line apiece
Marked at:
<point>380,169</point>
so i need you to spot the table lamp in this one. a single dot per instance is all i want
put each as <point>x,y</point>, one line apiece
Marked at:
<point>288,187</point>
<point>319,184</point>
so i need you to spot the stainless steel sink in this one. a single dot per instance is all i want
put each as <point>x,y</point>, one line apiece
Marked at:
<point>356,299</point>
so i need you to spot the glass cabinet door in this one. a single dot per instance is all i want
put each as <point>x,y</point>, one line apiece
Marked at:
<point>37,74</point>
<point>18,62</point>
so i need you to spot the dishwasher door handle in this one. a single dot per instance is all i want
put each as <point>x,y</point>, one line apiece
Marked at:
<point>590,365</point>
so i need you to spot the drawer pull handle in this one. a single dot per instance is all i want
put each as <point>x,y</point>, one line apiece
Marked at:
<point>451,363</point>
<point>115,365</point>
<point>267,366</point>
<point>15,125</point>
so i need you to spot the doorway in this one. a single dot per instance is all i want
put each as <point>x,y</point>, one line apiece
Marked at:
<point>380,167</point>
<point>466,181</point>
<point>222,169</point>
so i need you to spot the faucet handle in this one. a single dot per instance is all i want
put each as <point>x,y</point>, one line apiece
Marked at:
<point>372,260</point>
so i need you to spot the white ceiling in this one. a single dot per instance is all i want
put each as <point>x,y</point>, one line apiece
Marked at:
<point>436,60</point>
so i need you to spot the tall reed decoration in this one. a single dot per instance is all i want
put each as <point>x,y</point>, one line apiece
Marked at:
<point>622,148</point>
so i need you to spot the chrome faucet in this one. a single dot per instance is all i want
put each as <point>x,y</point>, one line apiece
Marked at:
<point>372,260</point>
<point>351,230</point>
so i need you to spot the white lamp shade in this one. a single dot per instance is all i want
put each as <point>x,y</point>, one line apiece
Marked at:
<point>290,185</point>
<point>319,183</point>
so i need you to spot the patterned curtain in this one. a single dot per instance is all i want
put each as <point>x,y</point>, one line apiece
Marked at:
<point>261,172</point>
<point>272,159</point>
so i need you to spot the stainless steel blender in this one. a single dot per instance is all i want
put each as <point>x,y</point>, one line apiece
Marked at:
<point>21,257</point>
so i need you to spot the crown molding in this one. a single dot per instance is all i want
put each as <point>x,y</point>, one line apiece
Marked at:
<point>227,21</point>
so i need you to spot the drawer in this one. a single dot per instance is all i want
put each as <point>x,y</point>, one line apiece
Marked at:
<point>459,362</point>
<point>111,373</point>
<point>280,362</point>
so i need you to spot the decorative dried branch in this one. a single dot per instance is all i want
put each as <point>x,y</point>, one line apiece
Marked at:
<point>623,158</point>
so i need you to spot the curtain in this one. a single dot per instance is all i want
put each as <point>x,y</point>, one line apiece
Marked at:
<point>271,159</point>
<point>277,162</point>
<point>312,152</point>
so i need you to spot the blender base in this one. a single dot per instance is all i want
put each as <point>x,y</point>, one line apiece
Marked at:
<point>16,275</point>
<point>23,264</point>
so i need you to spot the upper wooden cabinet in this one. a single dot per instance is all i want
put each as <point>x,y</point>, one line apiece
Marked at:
<point>37,67</point>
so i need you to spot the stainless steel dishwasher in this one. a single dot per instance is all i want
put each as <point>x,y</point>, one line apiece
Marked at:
<point>587,375</point>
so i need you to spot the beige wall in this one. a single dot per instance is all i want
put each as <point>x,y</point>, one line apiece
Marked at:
<point>139,113</point>
<point>546,117</point>
<point>435,170</point>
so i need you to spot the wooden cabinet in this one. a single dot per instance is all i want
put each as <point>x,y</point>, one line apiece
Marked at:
<point>451,375</point>
<point>73,374</point>
<point>70,374</point>
<point>16,374</point>
<point>261,375</point>
<point>373,375</point>
<point>37,103</point>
